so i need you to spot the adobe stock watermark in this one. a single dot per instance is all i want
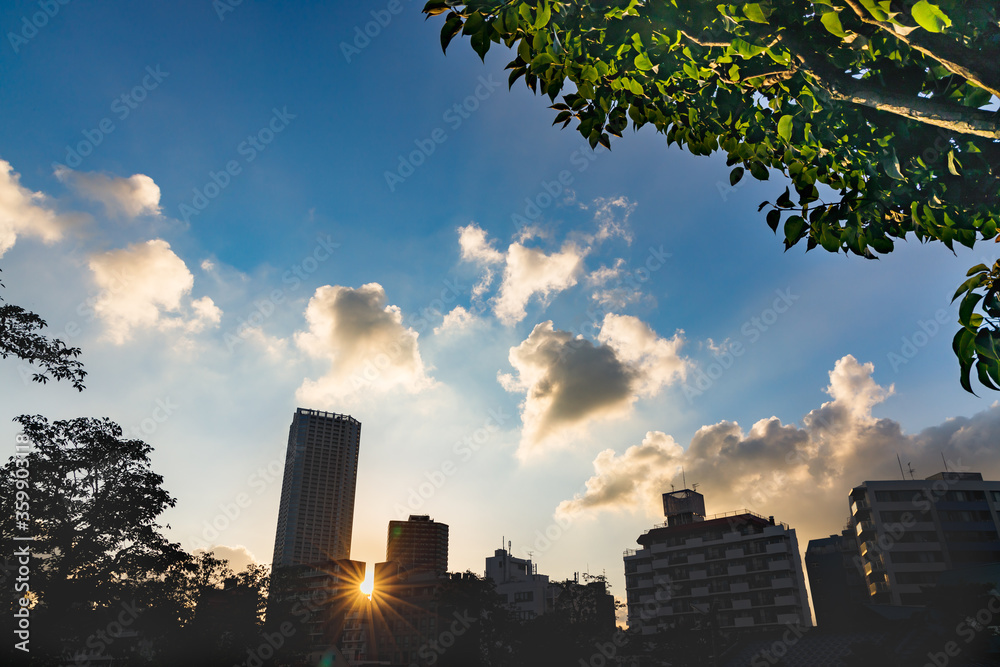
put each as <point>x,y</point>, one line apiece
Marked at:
<point>775,653</point>
<point>31,25</point>
<point>264,307</point>
<point>248,149</point>
<point>464,449</point>
<point>102,639</point>
<point>549,191</point>
<point>432,650</point>
<point>454,117</point>
<point>967,630</point>
<point>22,555</point>
<point>725,356</point>
<point>121,108</point>
<point>163,410</point>
<point>230,512</point>
<point>363,35</point>
<point>921,336</point>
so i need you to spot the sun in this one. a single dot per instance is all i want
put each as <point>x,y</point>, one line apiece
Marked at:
<point>368,585</point>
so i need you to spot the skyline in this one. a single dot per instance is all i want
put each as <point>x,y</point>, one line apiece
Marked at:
<point>201,330</point>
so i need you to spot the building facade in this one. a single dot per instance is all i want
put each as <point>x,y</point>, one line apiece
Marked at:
<point>734,571</point>
<point>316,514</point>
<point>910,531</point>
<point>836,583</point>
<point>517,581</point>
<point>418,544</point>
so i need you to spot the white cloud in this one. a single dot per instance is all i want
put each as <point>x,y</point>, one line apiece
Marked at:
<point>531,273</point>
<point>140,285</point>
<point>570,382</point>
<point>456,321</point>
<point>612,217</point>
<point>125,197</point>
<point>799,474</point>
<point>26,213</point>
<point>238,557</point>
<point>365,342</point>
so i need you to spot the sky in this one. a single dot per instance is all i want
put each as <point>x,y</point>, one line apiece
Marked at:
<point>240,208</point>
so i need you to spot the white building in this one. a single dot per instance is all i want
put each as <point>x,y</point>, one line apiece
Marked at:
<point>733,571</point>
<point>528,593</point>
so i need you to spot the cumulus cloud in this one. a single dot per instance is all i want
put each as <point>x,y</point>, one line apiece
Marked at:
<point>364,340</point>
<point>457,320</point>
<point>123,197</point>
<point>147,286</point>
<point>531,273</point>
<point>799,474</point>
<point>569,382</point>
<point>238,557</point>
<point>26,213</point>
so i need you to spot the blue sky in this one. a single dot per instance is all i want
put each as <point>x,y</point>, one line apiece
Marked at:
<point>307,277</point>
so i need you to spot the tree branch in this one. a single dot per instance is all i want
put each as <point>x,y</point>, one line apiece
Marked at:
<point>844,88</point>
<point>978,68</point>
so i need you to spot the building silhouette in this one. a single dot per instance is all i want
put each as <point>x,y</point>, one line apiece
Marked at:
<point>836,583</point>
<point>418,544</point>
<point>910,531</point>
<point>316,514</point>
<point>729,572</point>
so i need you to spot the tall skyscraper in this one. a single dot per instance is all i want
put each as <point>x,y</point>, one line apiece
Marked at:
<point>316,514</point>
<point>418,544</point>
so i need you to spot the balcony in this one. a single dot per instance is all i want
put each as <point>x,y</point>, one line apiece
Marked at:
<point>784,582</point>
<point>784,600</point>
<point>860,505</point>
<point>737,569</point>
<point>878,587</point>
<point>869,547</point>
<point>780,547</point>
<point>865,528</point>
<point>734,553</point>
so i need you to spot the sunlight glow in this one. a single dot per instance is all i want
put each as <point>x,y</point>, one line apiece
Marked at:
<point>368,585</point>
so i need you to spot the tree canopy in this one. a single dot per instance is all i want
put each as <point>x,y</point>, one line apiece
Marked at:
<point>889,104</point>
<point>19,338</point>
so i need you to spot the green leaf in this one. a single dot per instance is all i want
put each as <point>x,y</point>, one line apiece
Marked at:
<point>544,13</point>
<point>773,219</point>
<point>987,374</point>
<point>451,28</point>
<point>754,12</point>
<point>794,227</point>
<point>481,43</point>
<point>525,12</point>
<point>642,62</point>
<point>965,311</point>
<point>785,127</point>
<point>758,170</point>
<point>930,17</point>
<point>831,21</point>
<point>890,163</point>
<point>735,175</point>
<point>953,164</point>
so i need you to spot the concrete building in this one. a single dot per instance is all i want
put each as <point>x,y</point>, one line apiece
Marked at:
<point>316,601</point>
<point>316,514</point>
<point>528,593</point>
<point>836,583</point>
<point>735,571</point>
<point>910,531</point>
<point>418,544</point>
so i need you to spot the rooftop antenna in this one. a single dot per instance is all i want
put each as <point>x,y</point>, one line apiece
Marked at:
<point>694,487</point>
<point>684,477</point>
<point>901,473</point>
<point>945,462</point>
<point>910,468</point>
<point>671,488</point>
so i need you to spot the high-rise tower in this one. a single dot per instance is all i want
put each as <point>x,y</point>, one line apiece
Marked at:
<point>418,544</point>
<point>316,514</point>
